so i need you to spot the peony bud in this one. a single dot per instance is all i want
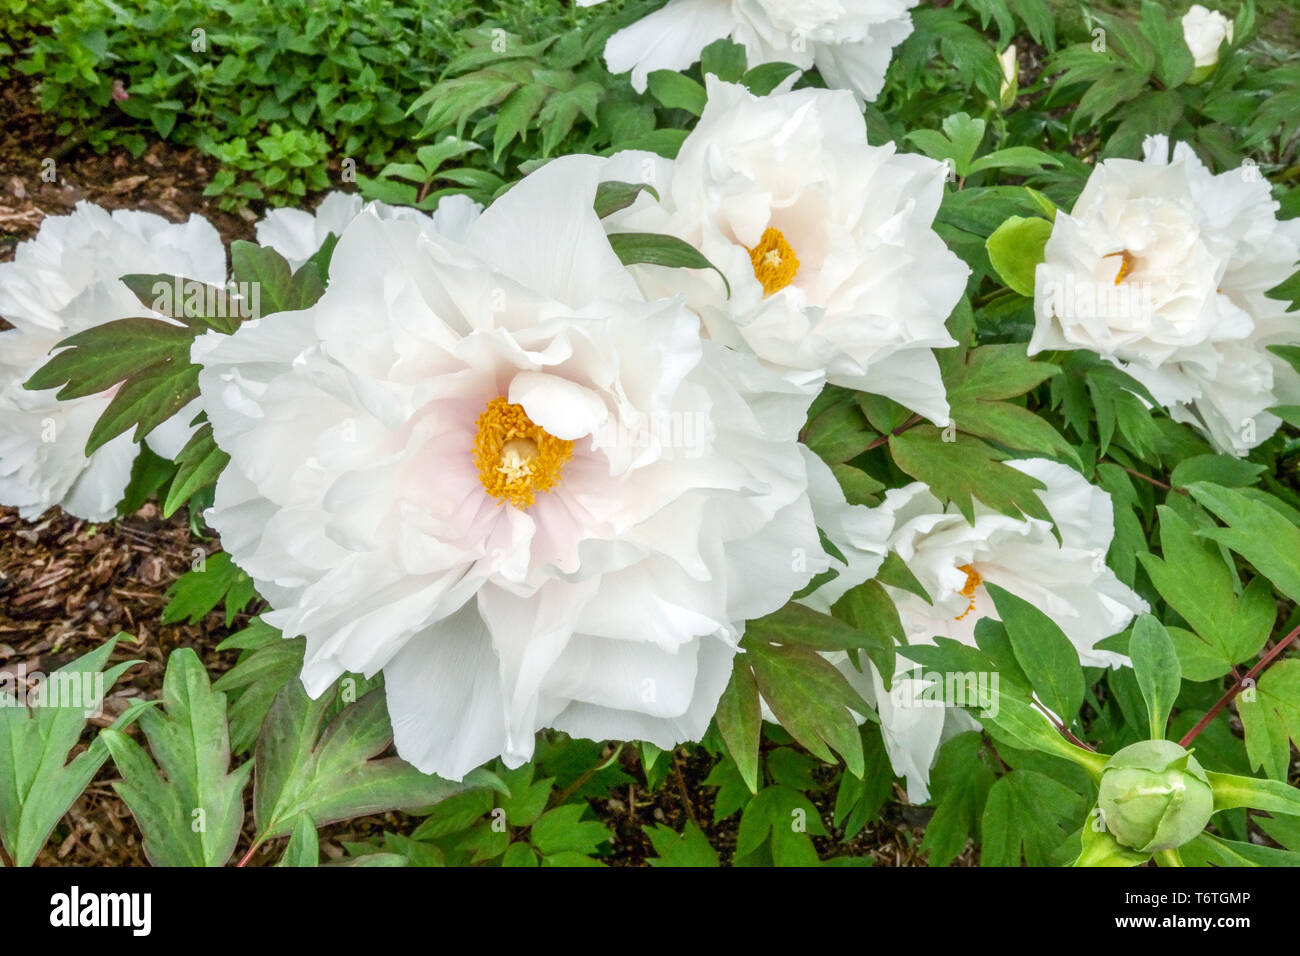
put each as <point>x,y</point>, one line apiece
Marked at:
<point>1010,77</point>
<point>1155,796</point>
<point>1204,32</point>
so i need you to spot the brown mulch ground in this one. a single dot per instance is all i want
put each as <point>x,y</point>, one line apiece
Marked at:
<point>67,585</point>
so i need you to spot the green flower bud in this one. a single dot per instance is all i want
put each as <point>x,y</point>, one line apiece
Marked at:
<point>1155,796</point>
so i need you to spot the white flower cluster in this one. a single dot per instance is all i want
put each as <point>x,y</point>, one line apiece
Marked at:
<point>537,488</point>
<point>1162,268</point>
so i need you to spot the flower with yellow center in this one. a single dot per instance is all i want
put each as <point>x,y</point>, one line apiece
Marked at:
<point>973,580</point>
<point>775,262</point>
<point>515,457</point>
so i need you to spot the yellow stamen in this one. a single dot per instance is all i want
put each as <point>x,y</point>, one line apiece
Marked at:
<point>973,580</point>
<point>1127,263</point>
<point>516,458</point>
<point>775,263</point>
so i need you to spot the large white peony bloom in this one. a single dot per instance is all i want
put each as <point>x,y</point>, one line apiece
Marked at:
<point>1161,268</point>
<point>65,281</point>
<point>850,42</point>
<point>835,271</point>
<point>297,234</point>
<point>1204,32</point>
<point>493,471</point>
<point>953,559</point>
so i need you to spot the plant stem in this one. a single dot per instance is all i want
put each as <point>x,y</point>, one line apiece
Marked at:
<point>1168,858</point>
<point>877,442</point>
<point>249,855</point>
<point>1238,686</point>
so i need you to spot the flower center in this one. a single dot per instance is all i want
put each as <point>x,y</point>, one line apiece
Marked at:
<point>973,580</point>
<point>1127,263</point>
<point>775,263</point>
<point>515,457</point>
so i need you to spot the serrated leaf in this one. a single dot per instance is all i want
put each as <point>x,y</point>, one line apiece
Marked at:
<point>37,781</point>
<point>191,812</point>
<point>100,357</point>
<point>1253,531</point>
<point>331,770</point>
<point>688,848</point>
<point>811,699</point>
<point>959,785</point>
<point>964,469</point>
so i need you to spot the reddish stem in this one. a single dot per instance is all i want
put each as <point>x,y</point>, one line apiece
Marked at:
<point>1237,687</point>
<point>248,856</point>
<point>877,442</point>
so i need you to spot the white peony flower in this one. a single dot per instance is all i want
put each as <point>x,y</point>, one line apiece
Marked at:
<point>297,234</point>
<point>1161,268</point>
<point>65,281</point>
<point>835,272</point>
<point>953,560</point>
<point>495,472</point>
<point>850,42</point>
<point>1205,31</point>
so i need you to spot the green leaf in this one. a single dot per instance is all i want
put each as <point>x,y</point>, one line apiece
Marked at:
<point>329,769</point>
<point>1209,850</point>
<point>612,196</point>
<point>766,77</point>
<point>199,305</point>
<point>197,592</point>
<point>676,91</point>
<point>199,464</point>
<point>37,781</point>
<point>658,250</point>
<point>304,847</point>
<point>1023,818</point>
<point>689,848</point>
<point>1102,849</point>
<point>725,59</point>
<point>102,356</point>
<point>1016,248</point>
<point>739,721</point>
<point>964,469</point>
<point>1194,579</point>
<point>278,288</point>
<point>785,817</point>
<point>811,699</point>
<point>191,813</point>
<point>145,401</point>
<point>839,432</point>
<point>959,785</point>
<point>895,573</point>
<point>269,662</point>
<point>563,830</point>
<point>1159,675</point>
<point>1270,715</point>
<point>1044,652</point>
<point>1255,533</point>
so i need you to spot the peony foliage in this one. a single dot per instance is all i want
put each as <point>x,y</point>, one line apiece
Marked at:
<point>878,393</point>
